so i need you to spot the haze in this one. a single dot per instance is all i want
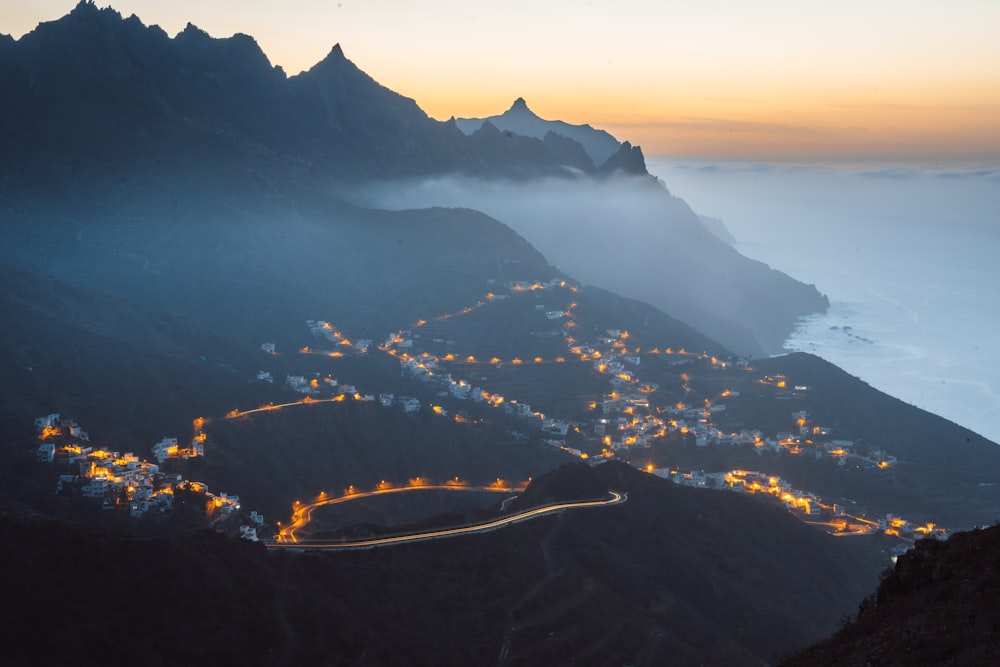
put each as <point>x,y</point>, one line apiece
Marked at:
<point>906,256</point>
<point>768,80</point>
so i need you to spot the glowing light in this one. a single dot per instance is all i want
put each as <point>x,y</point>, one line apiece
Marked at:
<point>50,432</point>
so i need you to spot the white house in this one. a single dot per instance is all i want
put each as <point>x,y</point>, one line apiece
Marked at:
<point>96,487</point>
<point>47,422</point>
<point>164,449</point>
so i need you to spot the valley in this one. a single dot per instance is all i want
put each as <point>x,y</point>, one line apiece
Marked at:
<point>607,411</point>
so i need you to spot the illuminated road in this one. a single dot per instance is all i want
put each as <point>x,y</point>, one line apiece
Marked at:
<point>614,499</point>
<point>302,514</point>
<point>234,414</point>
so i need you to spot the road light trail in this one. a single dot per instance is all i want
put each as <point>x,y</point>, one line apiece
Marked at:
<point>302,514</point>
<point>614,499</point>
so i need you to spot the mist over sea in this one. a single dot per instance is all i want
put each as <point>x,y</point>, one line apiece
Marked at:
<point>909,257</point>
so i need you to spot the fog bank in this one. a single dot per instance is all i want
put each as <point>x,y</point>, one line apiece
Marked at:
<point>629,235</point>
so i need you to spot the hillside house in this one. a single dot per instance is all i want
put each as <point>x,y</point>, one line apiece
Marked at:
<point>48,421</point>
<point>164,449</point>
<point>460,390</point>
<point>96,487</point>
<point>75,431</point>
<point>409,404</point>
<point>555,426</point>
<point>298,383</point>
<point>46,452</point>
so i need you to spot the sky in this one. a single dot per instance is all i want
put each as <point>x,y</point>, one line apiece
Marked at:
<point>773,80</point>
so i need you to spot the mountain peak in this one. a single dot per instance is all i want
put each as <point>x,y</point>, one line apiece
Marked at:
<point>89,12</point>
<point>336,53</point>
<point>333,60</point>
<point>84,6</point>
<point>191,30</point>
<point>519,106</point>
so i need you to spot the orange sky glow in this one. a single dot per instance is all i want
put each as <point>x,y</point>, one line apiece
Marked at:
<point>771,80</point>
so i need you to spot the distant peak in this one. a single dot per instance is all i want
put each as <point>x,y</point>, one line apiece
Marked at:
<point>333,59</point>
<point>87,10</point>
<point>191,30</point>
<point>519,106</point>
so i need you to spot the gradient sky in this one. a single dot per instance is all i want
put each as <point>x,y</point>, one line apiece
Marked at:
<point>889,80</point>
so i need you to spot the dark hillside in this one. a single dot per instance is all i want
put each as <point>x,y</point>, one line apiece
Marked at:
<point>129,374</point>
<point>257,269</point>
<point>938,606</point>
<point>670,576</point>
<point>275,458</point>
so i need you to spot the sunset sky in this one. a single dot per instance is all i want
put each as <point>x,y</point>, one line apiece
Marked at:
<point>892,80</point>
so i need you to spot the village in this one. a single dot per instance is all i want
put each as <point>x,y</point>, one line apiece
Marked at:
<point>126,482</point>
<point>625,420</point>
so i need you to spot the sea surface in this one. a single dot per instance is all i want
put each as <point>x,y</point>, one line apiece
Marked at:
<point>908,256</point>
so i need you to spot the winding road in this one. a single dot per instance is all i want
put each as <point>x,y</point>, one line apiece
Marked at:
<point>303,513</point>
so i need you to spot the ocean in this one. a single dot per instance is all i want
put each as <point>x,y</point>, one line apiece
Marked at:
<point>908,256</point>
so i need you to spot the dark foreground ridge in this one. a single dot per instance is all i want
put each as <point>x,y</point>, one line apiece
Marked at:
<point>673,575</point>
<point>940,605</point>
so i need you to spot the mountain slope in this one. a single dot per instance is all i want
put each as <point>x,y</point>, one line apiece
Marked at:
<point>109,118</point>
<point>146,97</point>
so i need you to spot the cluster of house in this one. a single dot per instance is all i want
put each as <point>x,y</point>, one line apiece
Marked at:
<point>323,329</point>
<point>115,479</point>
<point>167,448</point>
<point>121,481</point>
<point>408,404</point>
<point>636,425</point>
<point>224,505</point>
<point>743,481</point>
<point>803,503</point>
<point>319,385</point>
<point>54,425</point>
<point>538,285</point>
<point>817,440</point>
